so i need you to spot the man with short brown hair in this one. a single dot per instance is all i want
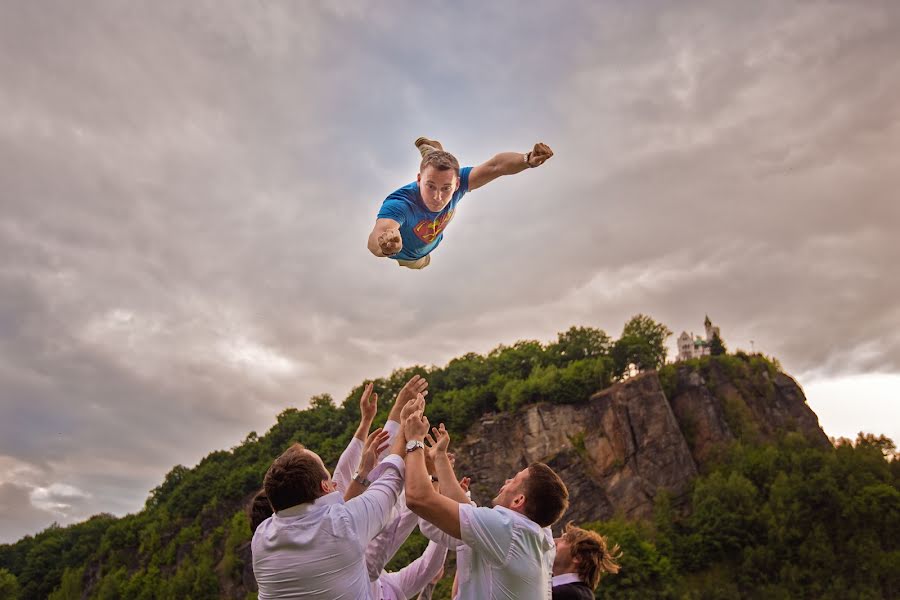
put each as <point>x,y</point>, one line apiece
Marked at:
<point>412,219</point>
<point>511,551</point>
<point>314,544</point>
<point>582,557</point>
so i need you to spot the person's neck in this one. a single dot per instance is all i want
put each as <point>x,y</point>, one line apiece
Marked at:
<point>557,571</point>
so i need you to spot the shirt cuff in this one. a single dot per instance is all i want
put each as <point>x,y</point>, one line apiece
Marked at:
<point>392,427</point>
<point>393,460</point>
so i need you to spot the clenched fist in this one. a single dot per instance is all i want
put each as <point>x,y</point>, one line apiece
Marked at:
<point>539,155</point>
<point>390,242</point>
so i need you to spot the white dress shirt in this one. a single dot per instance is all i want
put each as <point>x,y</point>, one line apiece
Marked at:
<point>511,556</point>
<point>412,579</point>
<point>316,550</point>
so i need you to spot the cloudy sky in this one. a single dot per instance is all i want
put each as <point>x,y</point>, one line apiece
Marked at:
<point>186,188</point>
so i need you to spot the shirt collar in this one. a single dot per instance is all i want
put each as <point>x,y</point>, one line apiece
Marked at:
<point>546,537</point>
<point>565,578</point>
<point>301,509</point>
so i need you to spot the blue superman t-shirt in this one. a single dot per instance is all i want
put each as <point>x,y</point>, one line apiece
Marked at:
<point>421,229</point>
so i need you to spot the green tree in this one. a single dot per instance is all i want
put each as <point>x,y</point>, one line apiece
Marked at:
<point>9,586</point>
<point>579,343</point>
<point>70,586</point>
<point>716,345</point>
<point>642,344</point>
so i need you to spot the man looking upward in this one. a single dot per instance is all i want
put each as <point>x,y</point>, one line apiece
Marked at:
<point>412,220</point>
<point>511,554</point>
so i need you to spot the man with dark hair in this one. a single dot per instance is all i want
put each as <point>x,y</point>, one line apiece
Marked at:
<point>511,552</point>
<point>314,544</point>
<point>411,221</point>
<point>582,557</point>
<point>259,510</point>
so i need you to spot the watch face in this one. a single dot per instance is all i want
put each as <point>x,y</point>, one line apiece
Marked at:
<point>413,444</point>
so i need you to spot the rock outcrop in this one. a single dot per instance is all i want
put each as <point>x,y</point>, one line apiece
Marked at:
<point>757,403</point>
<point>628,443</point>
<point>615,453</point>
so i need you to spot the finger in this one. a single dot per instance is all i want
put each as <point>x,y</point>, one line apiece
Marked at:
<point>429,439</point>
<point>382,448</point>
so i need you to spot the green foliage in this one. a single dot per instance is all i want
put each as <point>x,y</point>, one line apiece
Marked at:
<point>785,521</point>
<point>9,586</point>
<point>70,586</point>
<point>716,345</point>
<point>642,344</point>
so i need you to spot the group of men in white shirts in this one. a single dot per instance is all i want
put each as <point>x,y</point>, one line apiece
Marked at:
<point>331,537</point>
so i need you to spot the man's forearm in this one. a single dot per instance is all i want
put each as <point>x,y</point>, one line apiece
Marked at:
<point>447,478</point>
<point>418,481</point>
<point>508,163</point>
<point>362,432</point>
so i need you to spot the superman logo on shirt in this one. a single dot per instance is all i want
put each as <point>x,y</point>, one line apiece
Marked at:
<point>427,230</point>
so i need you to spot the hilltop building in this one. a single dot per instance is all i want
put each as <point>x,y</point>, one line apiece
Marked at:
<point>691,346</point>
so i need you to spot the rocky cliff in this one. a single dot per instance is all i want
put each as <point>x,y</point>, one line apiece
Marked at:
<point>627,443</point>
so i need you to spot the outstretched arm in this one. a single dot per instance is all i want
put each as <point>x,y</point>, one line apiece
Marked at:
<point>421,497</point>
<point>385,238</point>
<point>508,163</point>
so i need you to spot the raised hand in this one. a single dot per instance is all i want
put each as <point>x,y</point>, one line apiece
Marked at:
<point>368,404</point>
<point>464,484</point>
<point>416,385</point>
<point>390,242</point>
<point>415,426</point>
<point>376,443</point>
<point>442,439</point>
<point>539,155</point>
<point>411,407</point>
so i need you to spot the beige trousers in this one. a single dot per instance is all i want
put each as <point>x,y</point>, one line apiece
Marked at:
<point>416,264</point>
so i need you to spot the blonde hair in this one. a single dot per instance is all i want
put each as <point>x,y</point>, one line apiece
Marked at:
<point>440,160</point>
<point>592,550</point>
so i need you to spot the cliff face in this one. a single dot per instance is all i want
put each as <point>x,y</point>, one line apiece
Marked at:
<point>722,401</point>
<point>628,443</point>
<point>614,453</point>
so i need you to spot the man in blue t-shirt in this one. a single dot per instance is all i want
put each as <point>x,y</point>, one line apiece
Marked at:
<point>412,220</point>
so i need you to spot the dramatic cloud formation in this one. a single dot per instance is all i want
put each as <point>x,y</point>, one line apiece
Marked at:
<point>188,186</point>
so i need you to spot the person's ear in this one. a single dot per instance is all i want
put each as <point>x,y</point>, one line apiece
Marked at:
<point>419,178</point>
<point>518,501</point>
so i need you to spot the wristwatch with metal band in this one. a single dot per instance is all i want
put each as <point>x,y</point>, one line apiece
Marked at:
<point>361,480</point>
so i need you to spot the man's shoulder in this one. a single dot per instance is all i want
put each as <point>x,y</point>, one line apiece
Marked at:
<point>572,591</point>
<point>407,193</point>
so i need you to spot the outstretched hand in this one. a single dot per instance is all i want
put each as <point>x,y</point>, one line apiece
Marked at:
<point>415,425</point>
<point>376,443</point>
<point>415,386</point>
<point>442,439</point>
<point>368,404</point>
<point>390,242</point>
<point>539,155</point>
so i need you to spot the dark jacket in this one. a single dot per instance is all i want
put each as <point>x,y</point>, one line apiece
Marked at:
<point>573,591</point>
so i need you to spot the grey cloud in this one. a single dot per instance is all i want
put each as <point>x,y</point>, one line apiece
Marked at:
<point>188,188</point>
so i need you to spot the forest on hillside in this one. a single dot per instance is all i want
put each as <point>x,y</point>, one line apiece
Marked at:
<point>785,520</point>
